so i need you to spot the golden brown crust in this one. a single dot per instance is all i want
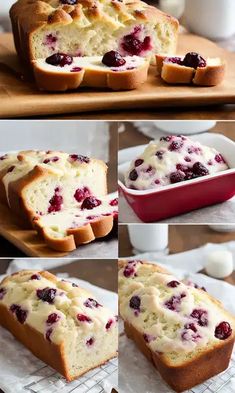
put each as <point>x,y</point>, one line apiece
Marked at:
<point>98,228</point>
<point>62,81</point>
<point>194,372</point>
<point>211,75</point>
<point>50,353</point>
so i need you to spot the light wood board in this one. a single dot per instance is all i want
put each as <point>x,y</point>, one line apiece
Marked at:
<point>27,240</point>
<point>20,98</point>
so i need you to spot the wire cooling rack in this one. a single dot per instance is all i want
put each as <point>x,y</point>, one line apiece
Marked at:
<point>217,383</point>
<point>46,380</point>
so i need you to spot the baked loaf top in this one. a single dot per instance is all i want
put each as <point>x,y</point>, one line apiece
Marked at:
<point>49,181</point>
<point>172,159</point>
<point>37,13</point>
<point>56,308</point>
<point>176,320</point>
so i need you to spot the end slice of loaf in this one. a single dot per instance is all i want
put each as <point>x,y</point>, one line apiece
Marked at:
<point>37,182</point>
<point>210,75</point>
<point>91,72</point>
<point>66,230</point>
<point>59,322</point>
<point>175,325</point>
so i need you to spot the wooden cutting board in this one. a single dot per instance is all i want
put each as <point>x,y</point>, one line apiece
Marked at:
<point>20,98</point>
<point>27,240</point>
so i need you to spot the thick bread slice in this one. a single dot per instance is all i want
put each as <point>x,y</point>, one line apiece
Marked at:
<point>90,28</point>
<point>66,230</point>
<point>31,182</point>
<point>174,324</point>
<point>91,72</point>
<point>211,75</point>
<point>67,343</point>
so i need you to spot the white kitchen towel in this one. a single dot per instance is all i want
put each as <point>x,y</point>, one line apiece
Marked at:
<point>136,374</point>
<point>21,372</point>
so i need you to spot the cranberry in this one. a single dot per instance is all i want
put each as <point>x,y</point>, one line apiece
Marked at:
<point>74,285</point>
<point>148,337</point>
<point>90,342</point>
<point>70,2</point>
<point>175,145</point>
<point>199,169</point>
<point>191,326</point>
<point>181,167</point>
<point>50,39</point>
<point>76,69</point>
<point>114,202</point>
<point>78,157</point>
<point>174,302</point>
<point>157,181</point>
<point>48,334</point>
<point>3,292</point>
<point>166,138</point>
<point>189,175</point>
<point>159,154</point>
<point>187,159</point>
<point>193,60</point>
<point>173,284</point>
<point>138,162</point>
<point>223,330</point>
<point>11,169</point>
<point>109,324</point>
<point>129,269</point>
<point>52,159</point>
<point>201,316</point>
<point>59,59</point>
<point>92,303</point>
<point>83,318</point>
<point>149,169</point>
<point>53,318</point>
<point>35,277</point>
<point>21,314</point>
<point>210,162</point>
<point>55,202</point>
<point>194,149</point>
<point>113,59</point>
<point>135,302</point>
<point>176,177</point>
<point>90,203</point>
<point>133,175</point>
<point>47,294</point>
<point>134,46</point>
<point>174,60</point>
<point>81,194</point>
<point>219,158</point>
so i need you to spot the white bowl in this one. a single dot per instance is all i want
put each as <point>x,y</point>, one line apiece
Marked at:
<point>185,127</point>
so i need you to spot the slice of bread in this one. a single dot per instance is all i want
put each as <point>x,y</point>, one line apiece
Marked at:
<point>91,72</point>
<point>90,28</point>
<point>185,332</point>
<point>59,322</point>
<point>37,182</point>
<point>66,230</point>
<point>173,73</point>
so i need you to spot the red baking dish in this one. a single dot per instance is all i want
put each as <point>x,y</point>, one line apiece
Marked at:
<point>179,198</point>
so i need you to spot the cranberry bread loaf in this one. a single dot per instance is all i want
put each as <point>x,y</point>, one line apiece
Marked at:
<point>90,28</point>
<point>191,68</point>
<point>67,229</point>
<point>59,322</point>
<point>37,182</point>
<point>61,72</point>
<point>185,332</point>
<point>170,160</point>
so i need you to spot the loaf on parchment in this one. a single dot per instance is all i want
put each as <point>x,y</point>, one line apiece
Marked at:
<point>59,322</point>
<point>90,28</point>
<point>185,332</point>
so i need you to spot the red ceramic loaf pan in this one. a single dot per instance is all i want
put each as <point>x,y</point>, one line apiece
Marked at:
<point>175,199</point>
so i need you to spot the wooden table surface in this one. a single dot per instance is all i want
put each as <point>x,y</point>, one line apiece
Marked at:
<point>132,137</point>
<point>181,238</point>
<point>102,273</point>
<point>8,250</point>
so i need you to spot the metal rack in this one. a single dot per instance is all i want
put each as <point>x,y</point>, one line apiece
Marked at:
<point>46,380</point>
